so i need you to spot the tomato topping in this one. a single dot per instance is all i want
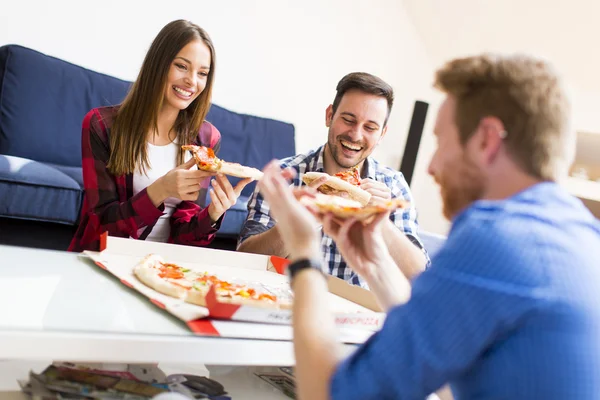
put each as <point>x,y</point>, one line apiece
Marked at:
<point>264,296</point>
<point>351,176</point>
<point>206,155</point>
<point>170,271</point>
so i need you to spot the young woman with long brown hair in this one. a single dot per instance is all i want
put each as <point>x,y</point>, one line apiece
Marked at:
<point>138,182</point>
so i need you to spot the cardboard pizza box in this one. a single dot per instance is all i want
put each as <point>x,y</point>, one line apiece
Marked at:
<point>355,309</point>
<point>359,319</point>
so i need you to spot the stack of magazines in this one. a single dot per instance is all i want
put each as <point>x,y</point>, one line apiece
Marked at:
<point>140,382</point>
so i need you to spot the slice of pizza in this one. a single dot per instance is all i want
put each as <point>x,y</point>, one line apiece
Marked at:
<point>345,182</point>
<point>193,286</point>
<point>206,160</point>
<point>347,208</point>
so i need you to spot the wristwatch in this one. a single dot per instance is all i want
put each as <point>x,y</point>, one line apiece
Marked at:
<point>302,264</point>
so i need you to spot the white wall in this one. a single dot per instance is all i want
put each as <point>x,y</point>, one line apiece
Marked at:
<point>276,58</point>
<point>560,33</point>
<point>563,32</point>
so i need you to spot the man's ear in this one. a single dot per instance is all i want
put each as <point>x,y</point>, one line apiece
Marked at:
<point>328,115</point>
<point>491,134</point>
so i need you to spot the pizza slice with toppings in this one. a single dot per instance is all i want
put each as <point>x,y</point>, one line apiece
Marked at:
<point>343,184</point>
<point>206,160</point>
<point>193,286</point>
<point>344,208</point>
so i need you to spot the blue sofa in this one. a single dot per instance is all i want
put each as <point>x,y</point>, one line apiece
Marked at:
<point>42,103</point>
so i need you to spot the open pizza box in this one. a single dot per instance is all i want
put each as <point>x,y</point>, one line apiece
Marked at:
<point>355,310</point>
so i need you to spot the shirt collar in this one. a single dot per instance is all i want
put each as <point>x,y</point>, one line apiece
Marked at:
<point>370,169</point>
<point>318,165</point>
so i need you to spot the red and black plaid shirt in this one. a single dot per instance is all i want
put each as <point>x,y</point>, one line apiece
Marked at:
<point>109,204</point>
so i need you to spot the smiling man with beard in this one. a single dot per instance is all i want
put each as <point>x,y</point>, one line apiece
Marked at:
<point>357,122</point>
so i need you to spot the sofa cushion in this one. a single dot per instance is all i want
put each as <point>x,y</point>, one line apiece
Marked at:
<point>251,140</point>
<point>43,101</point>
<point>74,172</point>
<point>32,190</point>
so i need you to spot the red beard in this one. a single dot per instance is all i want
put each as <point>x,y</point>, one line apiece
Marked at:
<point>461,183</point>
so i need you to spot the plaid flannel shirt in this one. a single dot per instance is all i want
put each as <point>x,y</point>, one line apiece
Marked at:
<point>109,204</point>
<point>259,220</point>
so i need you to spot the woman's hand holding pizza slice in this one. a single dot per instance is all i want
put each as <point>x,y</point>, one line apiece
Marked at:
<point>181,183</point>
<point>223,196</point>
<point>206,160</point>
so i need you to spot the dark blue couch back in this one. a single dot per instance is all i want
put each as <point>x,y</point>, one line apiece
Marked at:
<point>250,140</point>
<point>43,101</point>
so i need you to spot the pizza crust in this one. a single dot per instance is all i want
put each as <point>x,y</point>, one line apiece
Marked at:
<point>147,273</point>
<point>197,295</point>
<point>240,171</point>
<point>347,208</point>
<point>335,186</point>
<point>254,303</point>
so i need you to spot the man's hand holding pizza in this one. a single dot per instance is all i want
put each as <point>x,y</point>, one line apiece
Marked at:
<point>363,247</point>
<point>379,190</point>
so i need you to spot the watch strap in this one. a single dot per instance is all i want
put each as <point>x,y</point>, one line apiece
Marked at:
<point>303,264</point>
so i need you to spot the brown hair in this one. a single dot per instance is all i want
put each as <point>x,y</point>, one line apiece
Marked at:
<point>526,95</point>
<point>366,83</point>
<point>138,113</point>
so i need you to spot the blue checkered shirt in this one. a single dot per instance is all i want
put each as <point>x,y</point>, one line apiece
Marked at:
<point>510,309</point>
<point>259,220</point>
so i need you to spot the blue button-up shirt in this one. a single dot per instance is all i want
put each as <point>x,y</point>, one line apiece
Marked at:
<point>509,309</point>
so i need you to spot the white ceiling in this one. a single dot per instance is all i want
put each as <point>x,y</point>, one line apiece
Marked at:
<point>565,32</point>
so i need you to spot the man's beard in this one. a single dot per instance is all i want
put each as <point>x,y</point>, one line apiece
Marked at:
<point>336,151</point>
<point>461,183</point>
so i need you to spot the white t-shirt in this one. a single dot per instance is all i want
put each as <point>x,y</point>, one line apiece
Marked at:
<point>162,159</point>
